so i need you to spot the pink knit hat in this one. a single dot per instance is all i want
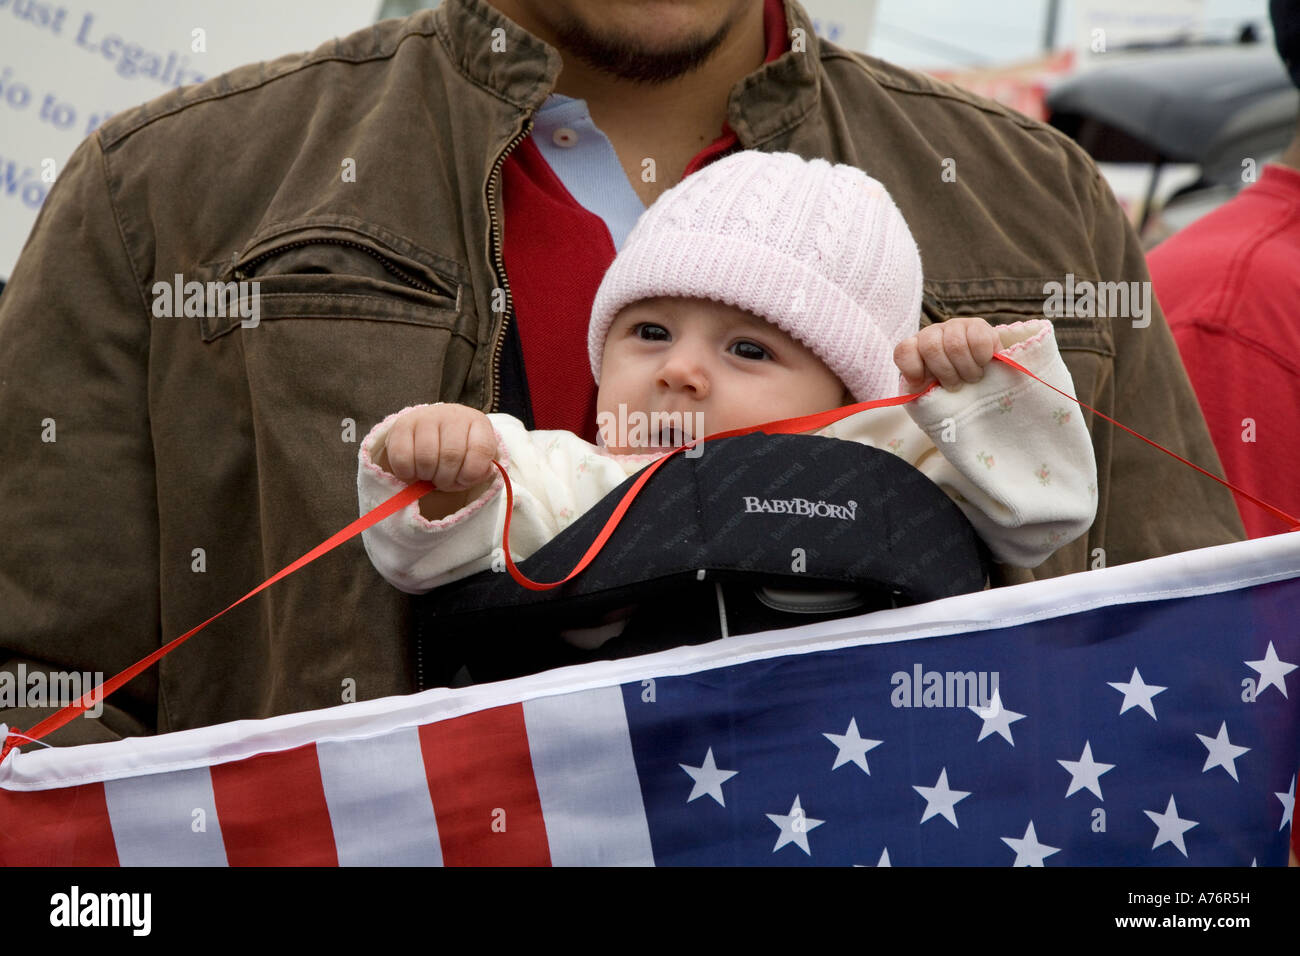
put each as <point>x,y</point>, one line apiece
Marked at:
<point>819,250</point>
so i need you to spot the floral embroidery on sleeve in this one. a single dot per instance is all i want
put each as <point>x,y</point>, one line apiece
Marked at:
<point>895,445</point>
<point>1043,475</point>
<point>1062,415</point>
<point>985,459</point>
<point>1005,403</point>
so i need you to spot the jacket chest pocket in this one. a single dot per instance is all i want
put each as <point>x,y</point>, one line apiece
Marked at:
<point>1086,343</point>
<point>1004,300</point>
<point>349,306</point>
<point>331,272</point>
<point>334,327</point>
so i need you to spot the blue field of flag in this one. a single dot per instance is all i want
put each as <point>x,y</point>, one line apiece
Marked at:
<point>1156,733</point>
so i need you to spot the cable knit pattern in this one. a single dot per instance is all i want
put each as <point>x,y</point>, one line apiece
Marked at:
<point>819,250</point>
<point>1019,469</point>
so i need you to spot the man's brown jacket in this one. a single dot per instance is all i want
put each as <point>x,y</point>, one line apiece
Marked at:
<point>154,469</point>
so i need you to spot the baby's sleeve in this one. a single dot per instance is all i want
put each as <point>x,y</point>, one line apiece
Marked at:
<point>413,553</point>
<point>1015,455</point>
<point>554,476</point>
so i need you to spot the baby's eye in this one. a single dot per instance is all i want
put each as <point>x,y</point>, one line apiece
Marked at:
<point>651,332</point>
<point>749,350</point>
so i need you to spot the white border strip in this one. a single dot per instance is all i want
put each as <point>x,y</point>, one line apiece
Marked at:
<point>1206,571</point>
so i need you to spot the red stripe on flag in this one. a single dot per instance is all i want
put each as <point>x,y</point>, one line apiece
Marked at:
<point>65,827</point>
<point>272,810</point>
<point>484,795</point>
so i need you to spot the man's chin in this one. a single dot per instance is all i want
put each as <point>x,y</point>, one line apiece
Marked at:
<point>644,48</point>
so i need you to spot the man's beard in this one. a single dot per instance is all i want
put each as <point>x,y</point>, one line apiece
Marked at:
<point>627,60</point>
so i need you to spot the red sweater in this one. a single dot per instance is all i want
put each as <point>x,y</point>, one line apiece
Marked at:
<point>1230,286</point>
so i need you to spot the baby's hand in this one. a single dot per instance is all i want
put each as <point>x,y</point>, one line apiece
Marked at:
<point>954,351</point>
<point>450,445</point>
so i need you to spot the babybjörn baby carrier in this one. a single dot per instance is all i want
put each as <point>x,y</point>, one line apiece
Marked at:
<point>757,532</point>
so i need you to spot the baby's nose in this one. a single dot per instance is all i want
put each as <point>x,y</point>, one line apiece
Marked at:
<point>682,372</point>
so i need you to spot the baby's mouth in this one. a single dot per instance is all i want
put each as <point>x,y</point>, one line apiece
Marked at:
<point>670,436</point>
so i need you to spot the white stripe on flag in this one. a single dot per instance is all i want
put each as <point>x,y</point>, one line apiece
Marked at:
<point>586,779</point>
<point>155,824</point>
<point>379,803</point>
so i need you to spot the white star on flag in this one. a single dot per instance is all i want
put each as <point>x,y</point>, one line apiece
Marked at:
<point>1137,693</point>
<point>1223,752</point>
<point>852,747</point>
<point>1272,672</point>
<point>1169,827</point>
<point>1085,773</point>
<point>1029,852</point>
<point>940,800</point>
<point>997,719</point>
<point>794,827</point>
<point>1288,804</point>
<point>708,779</point>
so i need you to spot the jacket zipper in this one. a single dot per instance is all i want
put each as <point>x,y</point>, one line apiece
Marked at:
<point>419,652</point>
<point>498,342</point>
<point>387,263</point>
<point>498,261</point>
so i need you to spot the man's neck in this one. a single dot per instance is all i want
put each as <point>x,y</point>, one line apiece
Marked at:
<point>696,101</point>
<point>668,122</point>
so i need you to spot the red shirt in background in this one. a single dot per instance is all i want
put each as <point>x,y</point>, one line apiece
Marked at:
<point>1229,285</point>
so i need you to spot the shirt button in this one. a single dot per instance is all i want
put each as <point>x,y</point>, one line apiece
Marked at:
<point>565,137</point>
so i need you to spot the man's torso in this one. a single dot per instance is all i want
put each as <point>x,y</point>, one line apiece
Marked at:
<point>360,185</point>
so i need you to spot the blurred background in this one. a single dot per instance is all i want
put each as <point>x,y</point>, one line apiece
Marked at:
<point>1180,101</point>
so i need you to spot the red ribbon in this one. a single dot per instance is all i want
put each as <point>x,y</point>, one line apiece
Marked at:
<point>419,489</point>
<point>1276,512</point>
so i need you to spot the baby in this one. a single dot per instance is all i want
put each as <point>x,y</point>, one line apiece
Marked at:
<point>763,287</point>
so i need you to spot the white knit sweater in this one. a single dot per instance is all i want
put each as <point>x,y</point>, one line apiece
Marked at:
<point>1015,456</point>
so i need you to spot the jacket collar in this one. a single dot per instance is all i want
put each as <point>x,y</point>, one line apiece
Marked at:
<point>768,101</point>
<point>512,63</point>
<point>783,93</point>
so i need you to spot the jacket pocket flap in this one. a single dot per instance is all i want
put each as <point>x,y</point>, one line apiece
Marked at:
<point>1002,299</point>
<point>321,272</point>
<point>348,232</point>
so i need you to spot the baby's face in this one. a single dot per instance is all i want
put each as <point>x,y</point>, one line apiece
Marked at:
<point>706,365</point>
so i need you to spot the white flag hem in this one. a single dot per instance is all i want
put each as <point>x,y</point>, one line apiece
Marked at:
<point>1205,571</point>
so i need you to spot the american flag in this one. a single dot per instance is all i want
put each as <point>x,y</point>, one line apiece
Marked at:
<point>1137,715</point>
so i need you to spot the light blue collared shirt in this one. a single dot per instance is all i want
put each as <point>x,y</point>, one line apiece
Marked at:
<point>582,158</point>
